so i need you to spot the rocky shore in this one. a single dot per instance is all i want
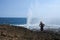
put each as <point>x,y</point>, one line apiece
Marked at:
<point>10,32</point>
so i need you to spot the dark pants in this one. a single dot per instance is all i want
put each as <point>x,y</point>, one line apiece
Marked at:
<point>41,29</point>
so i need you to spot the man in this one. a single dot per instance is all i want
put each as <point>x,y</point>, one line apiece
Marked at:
<point>41,26</point>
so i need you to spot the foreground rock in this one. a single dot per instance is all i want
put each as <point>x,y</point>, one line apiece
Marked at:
<point>8,32</point>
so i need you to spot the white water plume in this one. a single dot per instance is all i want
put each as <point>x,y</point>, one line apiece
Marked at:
<point>34,16</point>
<point>29,16</point>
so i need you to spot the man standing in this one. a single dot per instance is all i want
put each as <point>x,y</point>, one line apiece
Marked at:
<point>41,25</point>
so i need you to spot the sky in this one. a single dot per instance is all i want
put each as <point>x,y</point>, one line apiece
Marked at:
<point>45,9</point>
<point>14,8</point>
<point>20,8</point>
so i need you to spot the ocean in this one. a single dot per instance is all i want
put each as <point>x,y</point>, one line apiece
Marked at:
<point>34,24</point>
<point>13,20</point>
